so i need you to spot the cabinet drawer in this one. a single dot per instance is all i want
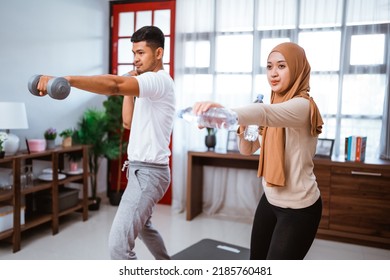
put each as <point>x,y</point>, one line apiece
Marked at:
<point>366,182</point>
<point>357,172</point>
<point>360,201</point>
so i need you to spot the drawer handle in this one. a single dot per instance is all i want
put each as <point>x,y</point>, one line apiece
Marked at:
<point>366,173</point>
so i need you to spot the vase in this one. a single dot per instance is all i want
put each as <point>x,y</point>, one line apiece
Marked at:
<point>210,141</point>
<point>50,144</point>
<point>2,154</point>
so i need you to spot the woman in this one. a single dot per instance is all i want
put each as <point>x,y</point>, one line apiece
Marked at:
<point>289,212</point>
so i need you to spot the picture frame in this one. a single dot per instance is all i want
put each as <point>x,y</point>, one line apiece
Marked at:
<point>231,143</point>
<point>324,147</point>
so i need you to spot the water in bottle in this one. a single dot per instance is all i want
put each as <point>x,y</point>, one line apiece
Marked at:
<point>212,118</point>
<point>251,132</point>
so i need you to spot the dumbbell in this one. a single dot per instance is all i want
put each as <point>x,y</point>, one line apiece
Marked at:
<point>57,88</point>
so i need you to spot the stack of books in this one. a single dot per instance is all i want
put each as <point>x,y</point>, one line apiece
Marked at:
<point>355,148</point>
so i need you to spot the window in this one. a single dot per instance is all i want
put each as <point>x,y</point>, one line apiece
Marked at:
<point>346,43</point>
<point>126,19</point>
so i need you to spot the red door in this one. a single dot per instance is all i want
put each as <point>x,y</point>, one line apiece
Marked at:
<point>126,18</point>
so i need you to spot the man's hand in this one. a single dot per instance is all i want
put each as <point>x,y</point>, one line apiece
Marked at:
<point>131,73</point>
<point>42,84</point>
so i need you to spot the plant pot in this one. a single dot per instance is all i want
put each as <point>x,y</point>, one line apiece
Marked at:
<point>50,144</point>
<point>73,166</point>
<point>67,142</point>
<point>94,203</point>
<point>115,198</point>
<point>210,141</point>
<point>2,154</point>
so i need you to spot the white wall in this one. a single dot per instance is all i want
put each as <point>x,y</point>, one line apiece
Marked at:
<point>60,37</point>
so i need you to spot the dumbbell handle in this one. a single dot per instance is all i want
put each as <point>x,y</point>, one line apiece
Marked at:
<point>57,88</point>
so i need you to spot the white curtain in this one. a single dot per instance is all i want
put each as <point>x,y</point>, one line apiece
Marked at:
<point>227,192</point>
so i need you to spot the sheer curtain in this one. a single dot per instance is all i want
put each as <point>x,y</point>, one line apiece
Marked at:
<point>385,133</point>
<point>220,52</point>
<point>384,152</point>
<point>226,191</point>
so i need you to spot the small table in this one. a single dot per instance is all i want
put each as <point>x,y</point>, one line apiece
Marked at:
<point>196,161</point>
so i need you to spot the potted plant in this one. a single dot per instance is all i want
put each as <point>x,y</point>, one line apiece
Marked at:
<point>92,130</point>
<point>3,138</point>
<point>116,134</point>
<point>50,136</point>
<point>211,139</point>
<point>67,137</point>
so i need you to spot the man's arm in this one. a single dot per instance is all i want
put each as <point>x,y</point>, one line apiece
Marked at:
<point>128,105</point>
<point>127,111</point>
<point>101,84</point>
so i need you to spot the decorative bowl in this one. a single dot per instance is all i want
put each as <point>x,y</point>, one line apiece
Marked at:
<point>36,145</point>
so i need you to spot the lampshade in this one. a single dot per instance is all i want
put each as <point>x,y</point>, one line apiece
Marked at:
<point>12,116</point>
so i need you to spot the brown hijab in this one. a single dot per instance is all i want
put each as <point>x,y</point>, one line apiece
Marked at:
<point>271,164</point>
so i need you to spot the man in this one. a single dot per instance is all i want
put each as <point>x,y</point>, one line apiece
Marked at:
<point>148,110</point>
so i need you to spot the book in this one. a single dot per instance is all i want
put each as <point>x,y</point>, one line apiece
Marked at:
<point>351,148</point>
<point>358,148</point>
<point>355,148</point>
<point>363,145</point>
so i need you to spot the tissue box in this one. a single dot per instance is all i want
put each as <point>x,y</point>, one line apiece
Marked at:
<point>7,217</point>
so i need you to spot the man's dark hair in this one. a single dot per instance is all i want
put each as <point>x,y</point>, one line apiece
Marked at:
<point>152,35</point>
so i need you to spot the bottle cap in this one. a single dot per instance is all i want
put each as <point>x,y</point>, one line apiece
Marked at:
<point>259,98</point>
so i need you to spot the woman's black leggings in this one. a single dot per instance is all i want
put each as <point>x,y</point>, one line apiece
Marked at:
<point>283,233</point>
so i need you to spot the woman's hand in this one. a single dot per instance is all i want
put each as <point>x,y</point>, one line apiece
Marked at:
<point>201,107</point>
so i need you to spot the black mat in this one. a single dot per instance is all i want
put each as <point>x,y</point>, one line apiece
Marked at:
<point>208,249</point>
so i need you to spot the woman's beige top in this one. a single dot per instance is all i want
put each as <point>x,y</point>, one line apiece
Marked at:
<point>300,189</point>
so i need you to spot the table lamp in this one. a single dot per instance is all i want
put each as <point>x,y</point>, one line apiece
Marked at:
<point>12,116</point>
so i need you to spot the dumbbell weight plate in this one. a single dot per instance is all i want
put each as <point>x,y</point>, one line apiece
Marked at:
<point>58,88</point>
<point>33,84</point>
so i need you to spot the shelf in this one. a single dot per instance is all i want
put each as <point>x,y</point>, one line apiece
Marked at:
<point>36,188</point>
<point>18,197</point>
<point>36,220</point>
<point>71,209</point>
<point>6,195</point>
<point>71,179</point>
<point>6,233</point>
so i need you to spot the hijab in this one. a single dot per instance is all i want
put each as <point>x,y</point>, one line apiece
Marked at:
<point>272,156</point>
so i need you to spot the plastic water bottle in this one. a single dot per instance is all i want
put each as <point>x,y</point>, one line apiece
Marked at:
<point>251,132</point>
<point>212,118</point>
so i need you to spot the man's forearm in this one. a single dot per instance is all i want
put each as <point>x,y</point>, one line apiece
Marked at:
<point>105,84</point>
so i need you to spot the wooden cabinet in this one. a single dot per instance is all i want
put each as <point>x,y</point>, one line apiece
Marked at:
<point>24,198</point>
<point>7,196</point>
<point>355,196</point>
<point>356,201</point>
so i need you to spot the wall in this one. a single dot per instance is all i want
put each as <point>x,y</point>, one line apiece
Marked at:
<point>57,38</point>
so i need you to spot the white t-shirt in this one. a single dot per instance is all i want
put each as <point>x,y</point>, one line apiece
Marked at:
<point>153,117</point>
